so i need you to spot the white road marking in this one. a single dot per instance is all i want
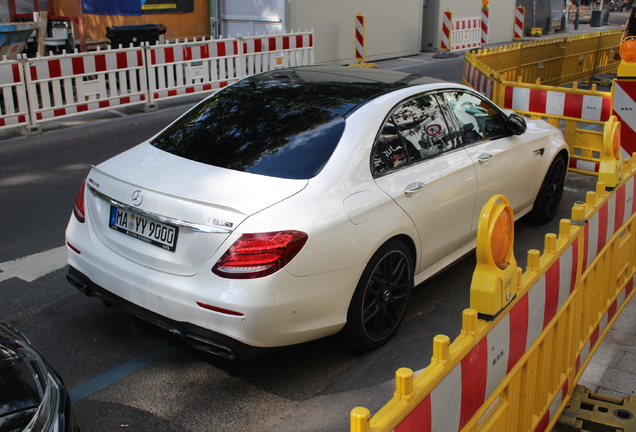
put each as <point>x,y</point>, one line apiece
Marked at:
<point>121,114</point>
<point>34,266</point>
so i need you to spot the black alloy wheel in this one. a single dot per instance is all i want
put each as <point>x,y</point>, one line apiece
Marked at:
<point>381,297</point>
<point>547,202</point>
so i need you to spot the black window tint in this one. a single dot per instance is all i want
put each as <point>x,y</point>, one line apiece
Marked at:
<point>478,118</point>
<point>255,132</point>
<point>417,130</point>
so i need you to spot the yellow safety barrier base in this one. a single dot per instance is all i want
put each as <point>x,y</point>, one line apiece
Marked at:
<point>518,371</point>
<point>595,412</point>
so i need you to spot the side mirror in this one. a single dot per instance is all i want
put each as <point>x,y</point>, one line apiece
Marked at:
<point>516,124</point>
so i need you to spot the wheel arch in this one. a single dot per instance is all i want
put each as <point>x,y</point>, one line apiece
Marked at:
<point>410,244</point>
<point>565,154</point>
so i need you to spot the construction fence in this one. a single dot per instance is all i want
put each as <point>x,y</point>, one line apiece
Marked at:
<point>463,32</point>
<point>517,369</point>
<point>528,335</point>
<point>48,88</point>
<point>524,77</point>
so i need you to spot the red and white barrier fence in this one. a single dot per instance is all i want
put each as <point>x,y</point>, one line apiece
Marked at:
<point>557,103</point>
<point>264,53</point>
<point>466,33</point>
<point>455,401</point>
<point>67,85</point>
<point>49,88</point>
<point>478,80</point>
<point>14,111</point>
<point>184,68</point>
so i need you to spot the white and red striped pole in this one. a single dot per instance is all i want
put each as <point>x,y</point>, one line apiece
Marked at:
<point>447,25</point>
<point>520,13</point>
<point>485,17</point>
<point>624,107</point>
<point>359,37</point>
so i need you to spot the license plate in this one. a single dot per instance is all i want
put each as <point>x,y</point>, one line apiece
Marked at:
<point>144,229</point>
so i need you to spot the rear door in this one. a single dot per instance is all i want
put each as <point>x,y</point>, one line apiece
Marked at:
<point>419,162</point>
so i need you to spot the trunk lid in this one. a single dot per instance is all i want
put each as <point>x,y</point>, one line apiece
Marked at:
<point>181,210</point>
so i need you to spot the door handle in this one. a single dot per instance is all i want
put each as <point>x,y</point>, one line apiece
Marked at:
<point>484,158</point>
<point>410,191</point>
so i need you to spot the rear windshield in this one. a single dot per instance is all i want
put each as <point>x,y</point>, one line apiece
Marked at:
<point>256,130</point>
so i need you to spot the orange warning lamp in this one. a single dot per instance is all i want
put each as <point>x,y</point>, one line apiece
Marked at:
<point>496,277</point>
<point>628,49</point>
<point>610,169</point>
<point>627,68</point>
<point>500,239</point>
<point>484,4</point>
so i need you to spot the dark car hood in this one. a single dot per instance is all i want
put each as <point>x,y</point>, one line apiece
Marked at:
<point>19,386</point>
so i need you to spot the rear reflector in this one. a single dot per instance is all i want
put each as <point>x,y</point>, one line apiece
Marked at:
<point>73,248</point>
<point>220,310</point>
<point>258,255</point>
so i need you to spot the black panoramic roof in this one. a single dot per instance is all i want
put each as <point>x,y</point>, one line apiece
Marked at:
<point>339,89</point>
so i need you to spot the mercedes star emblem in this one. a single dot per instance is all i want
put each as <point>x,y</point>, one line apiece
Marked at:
<point>137,197</point>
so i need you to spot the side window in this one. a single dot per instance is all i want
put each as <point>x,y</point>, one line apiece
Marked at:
<point>415,131</point>
<point>478,118</point>
<point>389,149</point>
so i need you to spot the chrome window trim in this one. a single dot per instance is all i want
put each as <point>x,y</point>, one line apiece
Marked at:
<point>163,219</point>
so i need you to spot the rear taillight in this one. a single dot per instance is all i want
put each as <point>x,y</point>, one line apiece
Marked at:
<point>257,255</point>
<point>78,210</point>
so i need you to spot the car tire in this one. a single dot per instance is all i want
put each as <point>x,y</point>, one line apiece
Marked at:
<point>547,202</point>
<point>381,297</point>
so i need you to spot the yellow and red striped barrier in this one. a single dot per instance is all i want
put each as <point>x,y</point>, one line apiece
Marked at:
<point>521,77</point>
<point>517,371</point>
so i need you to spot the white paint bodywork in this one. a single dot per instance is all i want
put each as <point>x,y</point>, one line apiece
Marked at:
<point>347,214</point>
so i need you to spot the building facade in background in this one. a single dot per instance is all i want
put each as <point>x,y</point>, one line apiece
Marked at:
<point>398,28</point>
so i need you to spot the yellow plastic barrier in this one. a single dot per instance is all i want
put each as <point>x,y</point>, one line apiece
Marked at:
<point>556,61</point>
<point>517,371</point>
<point>523,77</point>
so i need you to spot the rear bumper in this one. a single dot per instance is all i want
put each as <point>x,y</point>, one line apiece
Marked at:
<point>198,337</point>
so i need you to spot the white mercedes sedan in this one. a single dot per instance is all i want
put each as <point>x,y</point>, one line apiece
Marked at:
<point>304,202</point>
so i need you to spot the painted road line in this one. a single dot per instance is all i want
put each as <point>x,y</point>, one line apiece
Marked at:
<point>34,266</point>
<point>112,376</point>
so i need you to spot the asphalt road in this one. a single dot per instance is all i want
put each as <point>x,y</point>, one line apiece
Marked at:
<point>125,375</point>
